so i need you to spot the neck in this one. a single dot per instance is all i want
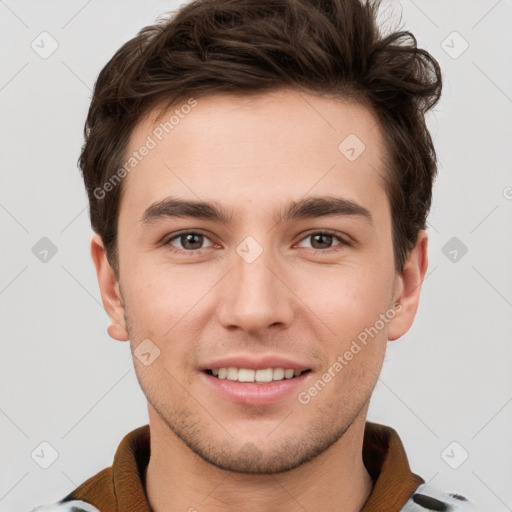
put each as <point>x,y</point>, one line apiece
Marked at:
<point>177,479</point>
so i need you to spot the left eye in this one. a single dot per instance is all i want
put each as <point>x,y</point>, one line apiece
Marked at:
<point>324,238</point>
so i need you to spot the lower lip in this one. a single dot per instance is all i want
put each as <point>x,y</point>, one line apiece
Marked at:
<point>251,393</point>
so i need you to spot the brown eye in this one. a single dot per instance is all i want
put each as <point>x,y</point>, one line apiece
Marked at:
<point>324,240</point>
<point>191,241</point>
<point>321,240</point>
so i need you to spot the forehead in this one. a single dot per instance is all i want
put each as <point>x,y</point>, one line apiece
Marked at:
<point>240,148</point>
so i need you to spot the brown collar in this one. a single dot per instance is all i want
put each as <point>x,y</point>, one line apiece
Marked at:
<point>120,488</point>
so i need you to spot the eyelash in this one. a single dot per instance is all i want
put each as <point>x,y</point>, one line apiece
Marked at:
<point>341,240</point>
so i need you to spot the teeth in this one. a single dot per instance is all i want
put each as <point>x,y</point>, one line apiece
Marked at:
<point>264,375</point>
<point>245,375</point>
<point>278,374</point>
<point>232,373</point>
<point>258,376</point>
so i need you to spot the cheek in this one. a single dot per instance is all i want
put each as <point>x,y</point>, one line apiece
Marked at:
<point>166,305</point>
<point>346,298</point>
<point>163,291</point>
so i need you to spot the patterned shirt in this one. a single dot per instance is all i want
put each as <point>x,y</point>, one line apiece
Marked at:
<point>120,488</point>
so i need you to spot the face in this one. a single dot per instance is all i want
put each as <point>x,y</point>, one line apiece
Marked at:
<point>284,268</point>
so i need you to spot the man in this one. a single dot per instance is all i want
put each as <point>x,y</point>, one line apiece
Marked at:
<point>259,176</point>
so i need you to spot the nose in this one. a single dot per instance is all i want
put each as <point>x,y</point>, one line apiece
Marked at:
<point>256,295</point>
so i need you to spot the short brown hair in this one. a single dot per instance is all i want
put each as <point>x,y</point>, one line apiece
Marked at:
<point>330,47</point>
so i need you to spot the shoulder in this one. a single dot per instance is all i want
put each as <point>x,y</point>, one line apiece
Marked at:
<point>67,506</point>
<point>428,498</point>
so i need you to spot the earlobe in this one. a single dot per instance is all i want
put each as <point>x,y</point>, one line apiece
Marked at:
<point>110,292</point>
<point>408,288</point>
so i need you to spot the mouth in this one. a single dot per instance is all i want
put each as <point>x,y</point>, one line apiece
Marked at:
<point>255,387</point>
<point>260,376</point>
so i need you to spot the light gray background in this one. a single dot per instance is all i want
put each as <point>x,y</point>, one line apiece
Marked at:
<point>64,381</point>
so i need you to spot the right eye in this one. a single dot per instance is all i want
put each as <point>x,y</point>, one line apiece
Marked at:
<point>189,241</point>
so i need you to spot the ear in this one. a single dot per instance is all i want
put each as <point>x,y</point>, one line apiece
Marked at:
<point>110,292</point>
<point>408,288</point>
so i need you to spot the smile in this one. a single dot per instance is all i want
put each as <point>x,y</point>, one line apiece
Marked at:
<point>261,376</point>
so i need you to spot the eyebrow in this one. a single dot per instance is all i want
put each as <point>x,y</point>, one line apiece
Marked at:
<point>310,207</point>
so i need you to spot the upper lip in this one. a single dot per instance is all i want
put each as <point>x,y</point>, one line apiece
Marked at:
<point>256,363</point>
